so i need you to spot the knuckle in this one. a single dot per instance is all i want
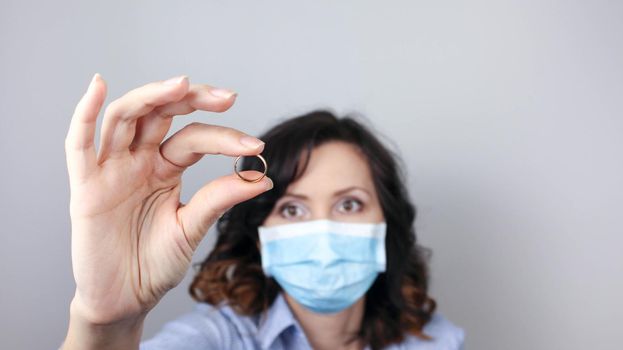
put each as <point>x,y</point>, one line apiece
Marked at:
<point>229,132</point>
<point>196,125</point>
<point>77,109</point>
<point>69,143</point>
<point>224,133</point>
<point>193,127</point>
<point>205,86</point>
<point>161,112</point>
<point>113,110</point>
<point>188,132</point>
<point>233,132</point>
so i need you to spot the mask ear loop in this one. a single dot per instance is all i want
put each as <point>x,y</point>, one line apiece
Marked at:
<point>251,180</point>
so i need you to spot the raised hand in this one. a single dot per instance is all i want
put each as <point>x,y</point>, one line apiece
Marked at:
<point>132,239</point>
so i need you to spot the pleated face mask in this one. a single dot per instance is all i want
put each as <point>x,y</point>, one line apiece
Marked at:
<point>324,265</point>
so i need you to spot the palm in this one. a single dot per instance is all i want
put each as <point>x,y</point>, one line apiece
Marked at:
<point>149,253</point>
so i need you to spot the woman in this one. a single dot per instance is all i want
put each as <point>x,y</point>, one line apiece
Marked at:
<point>325,258</point>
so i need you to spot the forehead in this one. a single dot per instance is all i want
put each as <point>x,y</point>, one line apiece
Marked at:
<point>333,166</point>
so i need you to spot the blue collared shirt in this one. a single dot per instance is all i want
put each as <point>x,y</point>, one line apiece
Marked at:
<point>210,327</point>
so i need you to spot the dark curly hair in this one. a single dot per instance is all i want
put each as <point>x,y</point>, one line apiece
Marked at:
<point>396,304</point>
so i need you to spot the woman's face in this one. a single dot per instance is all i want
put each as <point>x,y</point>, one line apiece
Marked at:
<point>337,185</point>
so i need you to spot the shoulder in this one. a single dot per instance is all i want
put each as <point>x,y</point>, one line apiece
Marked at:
<point>440,327</point>
<point>205,327</point>
<point>445,335</point>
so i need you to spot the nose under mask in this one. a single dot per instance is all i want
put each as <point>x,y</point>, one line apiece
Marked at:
<point>324,265</point>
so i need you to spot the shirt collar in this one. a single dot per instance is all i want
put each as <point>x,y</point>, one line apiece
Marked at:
<point>275,321</point>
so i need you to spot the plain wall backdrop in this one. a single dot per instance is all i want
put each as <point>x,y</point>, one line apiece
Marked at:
<point>508,115</point>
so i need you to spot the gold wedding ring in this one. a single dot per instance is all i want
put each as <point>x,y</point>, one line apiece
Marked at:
<point>251,180</point>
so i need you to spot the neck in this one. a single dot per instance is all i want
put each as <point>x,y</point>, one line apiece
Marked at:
<point>330,331</point>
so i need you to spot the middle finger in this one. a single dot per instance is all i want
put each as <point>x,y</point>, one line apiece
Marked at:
<point>152,128</point>
<point>119,124</point>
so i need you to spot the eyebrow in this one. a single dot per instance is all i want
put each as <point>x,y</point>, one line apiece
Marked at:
<point>337,193</point>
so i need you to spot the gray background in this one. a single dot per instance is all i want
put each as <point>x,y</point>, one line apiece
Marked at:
<point>508,115</point>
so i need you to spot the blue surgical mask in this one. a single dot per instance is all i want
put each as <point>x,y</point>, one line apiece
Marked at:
<point>324,265</point>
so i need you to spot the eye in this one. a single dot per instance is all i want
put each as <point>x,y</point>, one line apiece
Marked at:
<point>291,210</point>
<point>350,205</point>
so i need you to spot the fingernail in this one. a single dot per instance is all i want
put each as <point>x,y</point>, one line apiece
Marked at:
<point>222,93</point>
<point>269,183</point>
<point>251,142</point>
<point>95,77</point>
<point>175,81</point>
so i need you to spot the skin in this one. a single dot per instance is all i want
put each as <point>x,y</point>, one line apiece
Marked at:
<point>132,238</point>
<point>336,185</point>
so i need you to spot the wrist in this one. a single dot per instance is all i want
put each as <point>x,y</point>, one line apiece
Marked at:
<point>88,332</point>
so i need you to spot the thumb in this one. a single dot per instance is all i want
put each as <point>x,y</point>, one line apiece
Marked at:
<point>212,200</point>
